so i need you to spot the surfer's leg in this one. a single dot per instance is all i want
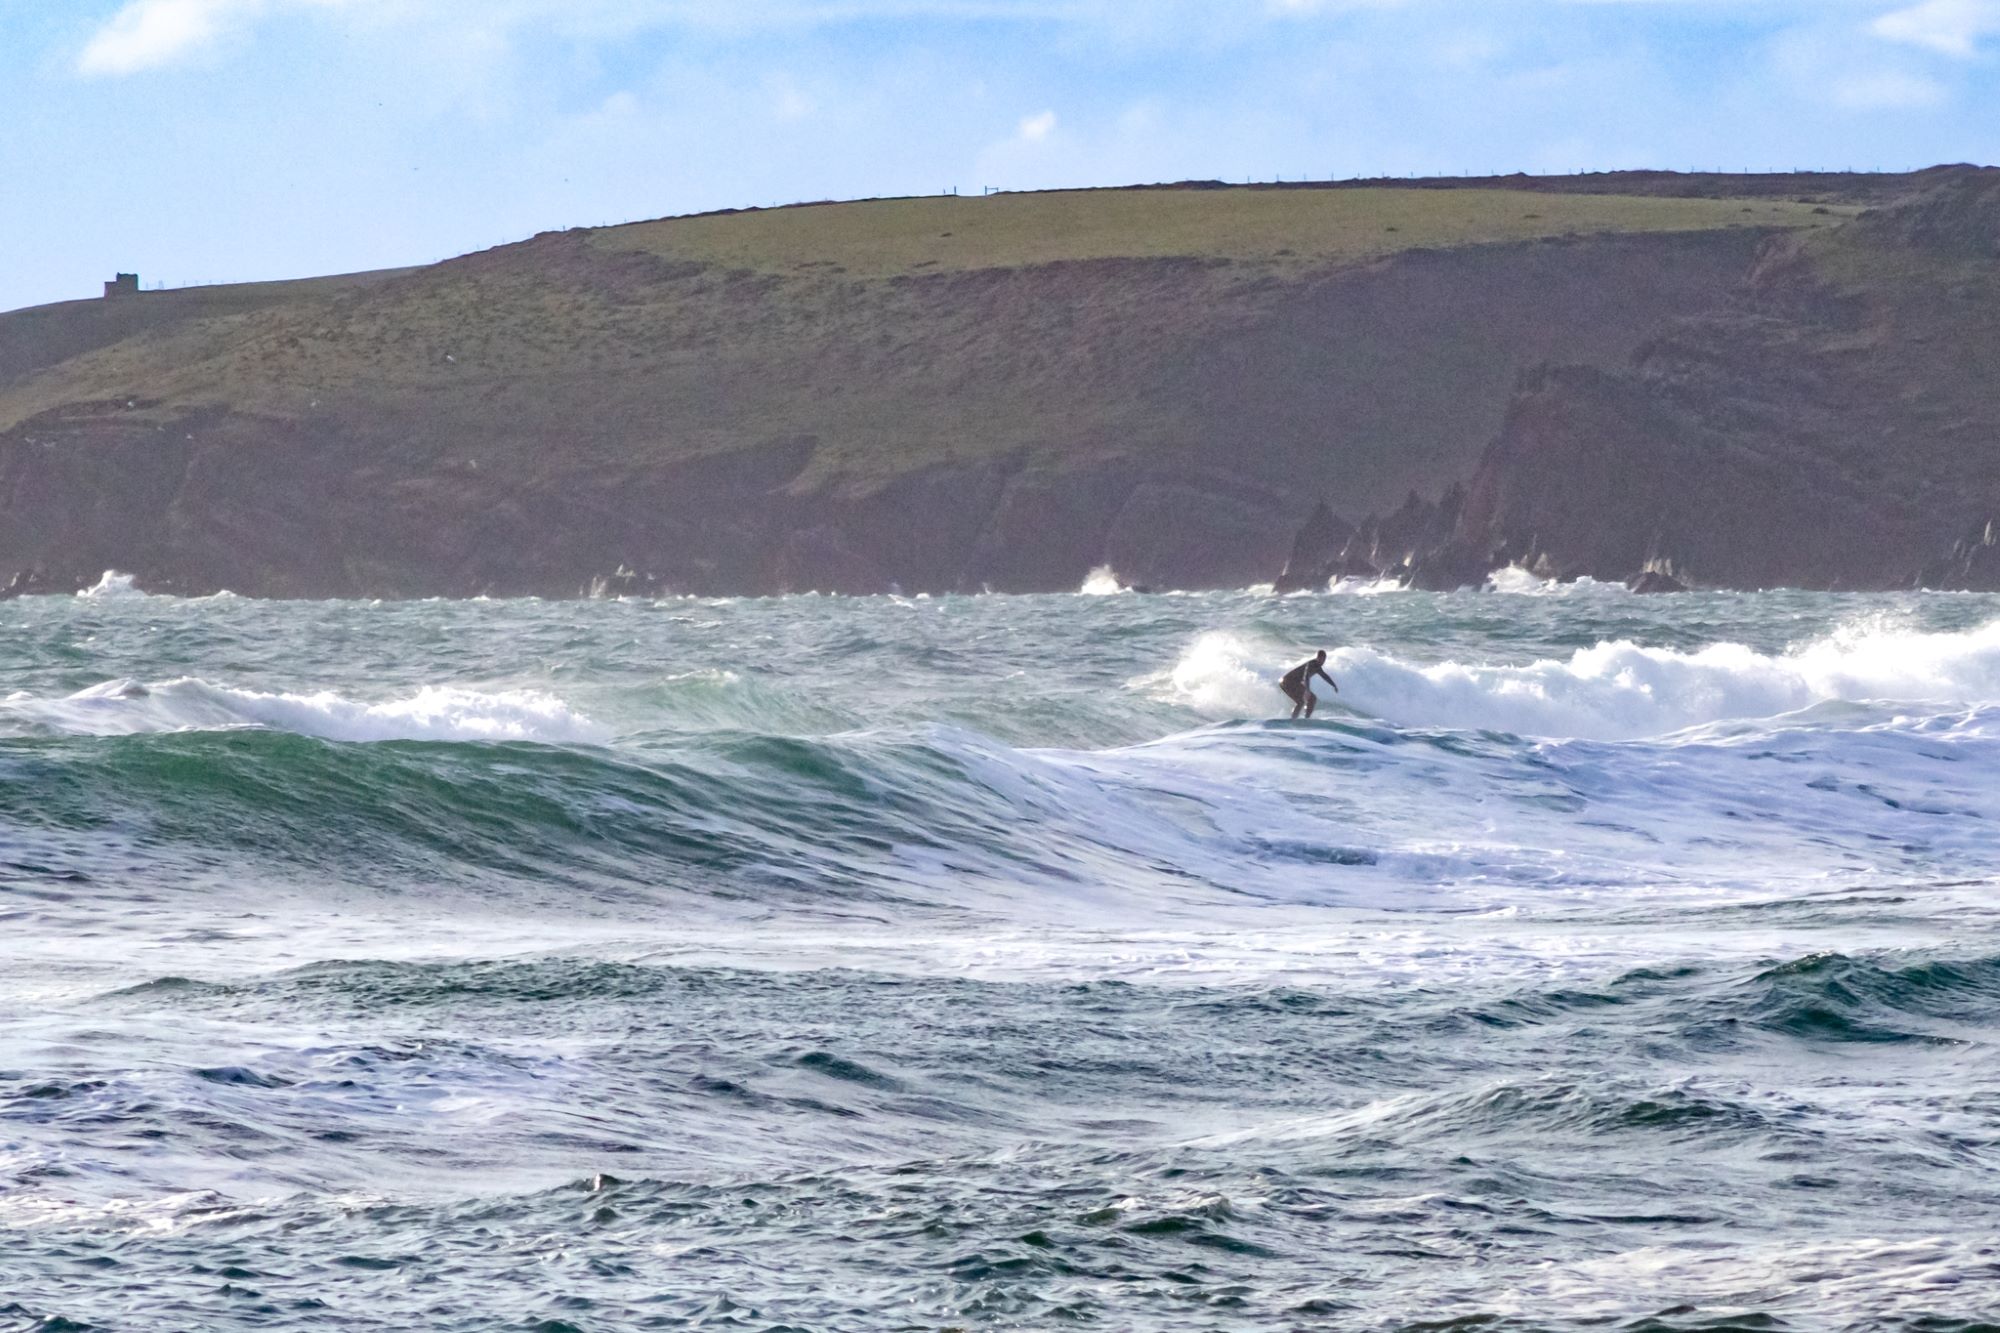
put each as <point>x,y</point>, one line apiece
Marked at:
<point>1311,700</point>
<point>1297,696</point>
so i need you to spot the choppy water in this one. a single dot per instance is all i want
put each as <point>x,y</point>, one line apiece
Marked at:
<point>830,964</point>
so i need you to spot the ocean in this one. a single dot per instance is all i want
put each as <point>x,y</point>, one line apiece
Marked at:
<point>1591,961</point>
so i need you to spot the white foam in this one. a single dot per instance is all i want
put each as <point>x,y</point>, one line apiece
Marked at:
<point>1102,582</point>
<point>433,713</point>
<point>1514,581</point>
<point>1353,587</point>
<point>1846,1280</point>
<point>112,586</point>
<point>1223,675</point>
<point>1612,691</point>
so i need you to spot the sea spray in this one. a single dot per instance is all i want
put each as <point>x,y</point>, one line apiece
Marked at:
<point>1611,690</point>
<point>1358,587</point>
<point>1102,582</point>
<point>432,713</point>
<point>110,586</point>
<point>1512,580</point>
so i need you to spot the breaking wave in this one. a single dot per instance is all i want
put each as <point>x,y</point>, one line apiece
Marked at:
<point>1353,587</point>
<point>434,713</point>
<point>1615,690</point>
<point>1512,580</point>
<point>1102,582</point>
<point>111,586</point>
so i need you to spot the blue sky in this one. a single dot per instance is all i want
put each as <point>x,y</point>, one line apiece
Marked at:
<point>198,140</point>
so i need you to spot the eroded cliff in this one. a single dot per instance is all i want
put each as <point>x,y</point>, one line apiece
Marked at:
<point>1834,423</point>
<point>923,396</point>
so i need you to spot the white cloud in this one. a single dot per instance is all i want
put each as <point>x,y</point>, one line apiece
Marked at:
<point>789,102</point>
<point>1035,128</point>
<point>1846,70</point>
<point>1954,27</point>
<point>1888,90</point>
<point>1468,50</point>
<point>151,34</point>
<point>148,33</point>
<point>618,106</point>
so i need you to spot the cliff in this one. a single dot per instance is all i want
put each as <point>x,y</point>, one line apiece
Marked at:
<point>961,393</point>
<point>1833,423</point>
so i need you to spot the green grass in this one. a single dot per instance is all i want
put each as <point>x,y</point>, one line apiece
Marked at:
<point>554,351</point>
<point>1297,227</point>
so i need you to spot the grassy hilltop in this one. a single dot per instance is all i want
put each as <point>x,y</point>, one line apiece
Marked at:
<point>939,392</point>
<point>1286,231</point>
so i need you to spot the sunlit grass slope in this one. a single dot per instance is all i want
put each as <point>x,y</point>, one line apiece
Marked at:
<point>1301,228</point>
<point>899,334</point>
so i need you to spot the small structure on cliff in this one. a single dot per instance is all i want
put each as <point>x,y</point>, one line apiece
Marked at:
<point>125,284</point>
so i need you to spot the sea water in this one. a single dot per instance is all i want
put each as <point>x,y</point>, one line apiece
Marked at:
<point>1589,961</point>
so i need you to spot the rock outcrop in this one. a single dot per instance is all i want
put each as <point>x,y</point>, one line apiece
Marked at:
<point>40,583</point>
<point>1657,577</point>
<point>1833,423</point>
<point>1319,552</point>
<point>1971,565</point>
<point>1328,549</point>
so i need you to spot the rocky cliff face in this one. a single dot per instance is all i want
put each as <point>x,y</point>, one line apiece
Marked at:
<point>1834,422</point>
<point>565,415</point>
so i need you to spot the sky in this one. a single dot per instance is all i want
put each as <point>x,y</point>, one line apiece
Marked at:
<point>228,140</point>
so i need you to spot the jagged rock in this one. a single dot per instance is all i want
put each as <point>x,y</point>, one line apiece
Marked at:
<point>1658,576</point>
<point>1972,564</point>
<point>1418,526</point>
<point>1652,580</point>
<point>1457,563</point>
<point>624,582</point>
<point>38,582</point>
<point>1319,551</point>
<point>1392,545</point>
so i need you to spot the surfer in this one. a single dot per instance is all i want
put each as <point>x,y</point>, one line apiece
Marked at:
<point>1297,684</point>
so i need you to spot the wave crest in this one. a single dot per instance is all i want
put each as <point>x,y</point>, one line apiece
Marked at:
<point>1616,690</point>
<point>433,713</point>
<point>1512,580</point>
<point>1102,582</point>
<point>112,586</point>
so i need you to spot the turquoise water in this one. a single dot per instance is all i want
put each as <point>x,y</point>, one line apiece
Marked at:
<point>1001,962</point>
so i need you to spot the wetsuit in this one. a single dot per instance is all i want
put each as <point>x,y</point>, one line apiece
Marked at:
<point>1298,689</point>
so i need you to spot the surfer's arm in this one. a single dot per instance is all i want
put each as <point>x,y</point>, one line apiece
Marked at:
<point>1328,679</point>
